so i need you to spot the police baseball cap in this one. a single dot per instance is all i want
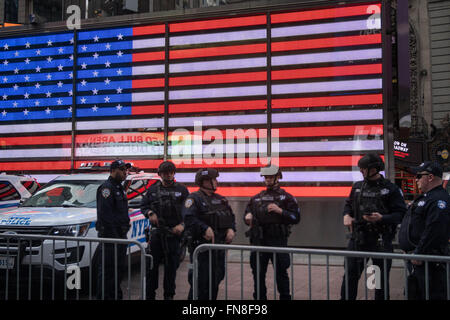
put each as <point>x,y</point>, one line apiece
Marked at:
<point>429,166</point>
<point>119,164</point>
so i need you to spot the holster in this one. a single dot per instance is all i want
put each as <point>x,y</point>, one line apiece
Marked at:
<point>255,233</point>
<point>366,233</point>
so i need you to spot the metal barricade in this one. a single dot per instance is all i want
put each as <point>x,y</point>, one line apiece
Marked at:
<point>310,252</point>
<point>74,261</point>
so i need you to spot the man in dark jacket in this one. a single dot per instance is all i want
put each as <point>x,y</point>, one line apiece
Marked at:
<point>425,230</point>
<point>163,204</point>
<point>373,210</point>
<point>270,215</point>
<point>209,219</point>
<point>112,222</point>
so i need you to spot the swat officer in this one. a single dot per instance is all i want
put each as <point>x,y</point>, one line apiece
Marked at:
<point>112,222</point>
<point>425,229</point>
<point>162,204</point>
<point>209,219</point>
<point>372,212</point>
<point>270,215</point>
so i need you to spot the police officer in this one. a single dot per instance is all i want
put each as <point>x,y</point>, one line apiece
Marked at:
<point>162,204</point>
<point>372,212</point>
<point>425,229</point>
<point>209,219</point>
<point>112,222</point>
<point>270,215</point>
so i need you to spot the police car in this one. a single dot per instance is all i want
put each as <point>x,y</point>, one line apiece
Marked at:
<point>15,188</point>
<point>66,206</point>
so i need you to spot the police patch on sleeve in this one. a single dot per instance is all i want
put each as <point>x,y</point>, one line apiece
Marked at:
<point>442,204</point>
<point>188,203</point>
<point>106,192</point>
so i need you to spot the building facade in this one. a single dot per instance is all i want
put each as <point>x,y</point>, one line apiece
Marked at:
<point>424,128</point>
<point>333,86</point>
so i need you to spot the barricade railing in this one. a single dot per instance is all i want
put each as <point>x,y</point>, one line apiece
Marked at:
<point>316,252</point>
<point>74,261</point>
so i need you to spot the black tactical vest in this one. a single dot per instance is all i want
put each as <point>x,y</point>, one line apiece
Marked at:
<point>218,214</point>
<point>261,202</point>
<point>371,198</point>
<point>168,206</point>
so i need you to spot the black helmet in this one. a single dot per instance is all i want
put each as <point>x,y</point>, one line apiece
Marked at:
<point>166,166</point>
<point>271,171</point>
<point>371,160</point>
<point>205,173</point>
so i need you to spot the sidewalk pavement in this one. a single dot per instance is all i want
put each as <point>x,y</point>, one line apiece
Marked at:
<point>240,273</point>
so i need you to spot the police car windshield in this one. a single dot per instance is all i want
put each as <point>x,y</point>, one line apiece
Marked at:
<point>65,194</point>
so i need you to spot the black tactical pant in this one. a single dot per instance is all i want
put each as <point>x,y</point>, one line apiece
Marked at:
<point>355,267</point>
<point>114,267</point>
<point>437,282</point>
<point>158,251</point>
<point>282,263</point>
<point>217,274</point>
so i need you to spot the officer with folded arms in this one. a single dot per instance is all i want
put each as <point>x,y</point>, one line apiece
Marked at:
<point>209,219</point>
<point>425,230</point>
<point>112,222</point>
<point>373,210</point>
<point>270,215</point>
<point>162,204</point>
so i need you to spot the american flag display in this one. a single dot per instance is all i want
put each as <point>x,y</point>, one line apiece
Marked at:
<point>121,87</point>
<point>312,76</point>
<point>36,102</point>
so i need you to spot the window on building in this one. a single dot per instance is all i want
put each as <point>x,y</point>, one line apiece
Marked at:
<point>50,10</point>
<point>11,11</point>
<point>130,6</point>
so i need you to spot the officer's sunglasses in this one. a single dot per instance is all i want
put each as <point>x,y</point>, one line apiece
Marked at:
<point>420,175</point>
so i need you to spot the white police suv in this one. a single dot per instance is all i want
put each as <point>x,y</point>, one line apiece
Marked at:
<point>66,206</point>
<point>15,188</point>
